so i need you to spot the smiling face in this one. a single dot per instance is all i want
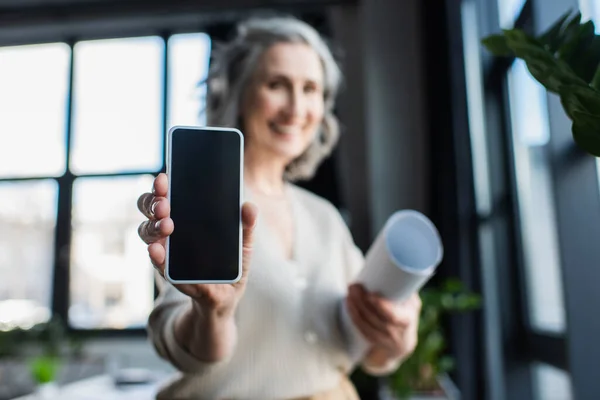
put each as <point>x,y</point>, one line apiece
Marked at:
<point>283,106</point>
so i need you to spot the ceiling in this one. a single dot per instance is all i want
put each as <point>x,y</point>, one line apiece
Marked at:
<point>42,3</point>
<point>21,4</point>
<point>35,21</point>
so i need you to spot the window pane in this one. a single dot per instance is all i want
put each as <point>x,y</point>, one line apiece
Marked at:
<point>117,115</point>
<point>475,102</point>
<point>551,383</point>
<point>27,219</point>
<point>536,200</point>
<point>590,9</point>
<point>111,276</point>
<point>509,11</point>
<point>33,93</point>
<point>188,66</point>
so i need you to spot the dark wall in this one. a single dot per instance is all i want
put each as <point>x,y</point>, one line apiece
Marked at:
<point>385,151</point>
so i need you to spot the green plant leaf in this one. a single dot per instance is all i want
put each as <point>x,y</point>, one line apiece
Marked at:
<point>580,98</point>
<point>466,301</point>
<point>585,61</point>
<point>570,101</point>
<point>552,74</point>
<point>446,364</point>
<point>588,140</point>
<point>579,33</point>
<point>576,52</point>
<point>520,37</point>
<point>419,371</point>
<point>434,343</point>
<point>44,369</point>
<point>572,27</point>
<point>448,301</point>
<point>496,44</point>
<point>453,285</point>
<point>552,37</point>
<point>588,122</point>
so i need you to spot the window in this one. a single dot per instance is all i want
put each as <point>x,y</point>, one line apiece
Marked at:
<point>187,62</point>
<point>33,109</point>
<point>28,207</point>
<point>79,167</point>
<point>590,9</point>
<point>107,253</point>
<point>508,11</point>
<point>535,196</point>
<point>551,383</point>
<point>117,106</point>
<point>27,221</point>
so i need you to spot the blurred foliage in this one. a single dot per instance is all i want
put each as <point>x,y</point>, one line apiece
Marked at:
<point>51,339</point>
<point>566,61</point>
<point>421,370</point>
<point>44,369</point>
<point>45,345</point>
<point>9,341</point>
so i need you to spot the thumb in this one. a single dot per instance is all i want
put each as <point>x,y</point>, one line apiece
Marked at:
<point>249,217</point>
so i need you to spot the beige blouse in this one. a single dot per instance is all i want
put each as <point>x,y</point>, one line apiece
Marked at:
<point>291,343</point>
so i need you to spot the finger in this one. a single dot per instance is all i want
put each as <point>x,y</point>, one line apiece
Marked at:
<point>377,305</point>
<point>370,333</point>
<point>368,312</point>
<point>157,254</point>
<point>161,208</point>
<point>386,310</point>
<point>161,185</point>
<point>146,204</point>
<point>150,231</point>
<point>396,314</point>
<point>249,217</point>
<point>154,207</point>
<point>415,300</point>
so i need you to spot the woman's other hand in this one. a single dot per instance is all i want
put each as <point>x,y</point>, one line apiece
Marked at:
<point>390,327</point>
<point>217,299</point>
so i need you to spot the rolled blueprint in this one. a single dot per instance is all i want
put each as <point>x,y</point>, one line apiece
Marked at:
<point>400,261</point>
<point>403,257</point>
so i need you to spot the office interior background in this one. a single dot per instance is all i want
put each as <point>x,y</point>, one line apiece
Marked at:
<point>431,121</point>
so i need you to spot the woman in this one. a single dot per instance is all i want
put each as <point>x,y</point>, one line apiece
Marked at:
<point>276,334</point>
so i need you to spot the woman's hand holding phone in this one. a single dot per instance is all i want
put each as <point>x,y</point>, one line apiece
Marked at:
<point>215,299</point>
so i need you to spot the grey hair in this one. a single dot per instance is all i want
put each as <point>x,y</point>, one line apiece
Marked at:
<point>233,65</point>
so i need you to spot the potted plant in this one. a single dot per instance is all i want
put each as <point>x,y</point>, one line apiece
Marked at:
<point>44,372</point>
<point>424,375</point>
<point>566,61</point>
<point>45,365</point>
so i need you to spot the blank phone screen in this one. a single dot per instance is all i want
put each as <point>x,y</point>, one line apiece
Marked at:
<point>204,180</point>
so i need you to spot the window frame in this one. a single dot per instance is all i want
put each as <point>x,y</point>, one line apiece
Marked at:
<point>577,197</point>
<point>60,283</point>
<point>522,344</point>
<point>490,257</point>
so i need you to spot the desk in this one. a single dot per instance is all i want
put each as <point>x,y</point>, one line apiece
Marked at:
<point>102,387</point>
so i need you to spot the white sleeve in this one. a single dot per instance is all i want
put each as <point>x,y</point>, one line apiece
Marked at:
<point>168,307</point>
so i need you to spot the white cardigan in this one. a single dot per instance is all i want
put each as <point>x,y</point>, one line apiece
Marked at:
<point>290,341</point>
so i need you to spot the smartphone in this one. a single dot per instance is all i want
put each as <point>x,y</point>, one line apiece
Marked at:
<point>205,170</point>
